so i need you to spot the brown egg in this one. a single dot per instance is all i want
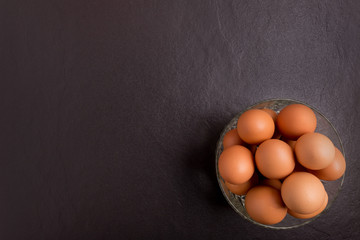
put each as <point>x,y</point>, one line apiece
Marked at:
<point>311,215</point>
<point>255,126</point>
<point>232,138</point>
<point>302,192</point>
<point>275,183</point>
<point>314,151</point>
<point>264,205</point>
<point>274,159</point>
<point>335,170</point>
<point>295,120</point>
<point>236,164</point>
<point>243,188</point>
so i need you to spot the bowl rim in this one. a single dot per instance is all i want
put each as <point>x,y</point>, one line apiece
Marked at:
<point>219,148</point>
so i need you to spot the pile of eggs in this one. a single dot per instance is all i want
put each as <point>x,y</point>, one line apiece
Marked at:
<point>278,162</point>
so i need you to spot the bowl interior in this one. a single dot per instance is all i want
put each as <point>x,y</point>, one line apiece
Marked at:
<point>332,187</point>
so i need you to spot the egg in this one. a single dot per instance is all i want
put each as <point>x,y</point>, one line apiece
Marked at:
<point>275,183</point>
<point>335,170</point>
<point>310,215</point>
<point>314,151</point>
<point>255,126</point>
<point>303,192</point>
<point>236,164</point>
<point>264,205</point>
<point>295,120</point>
<point>243,188</point>
<point>274,159</point>
<point>232,138</point>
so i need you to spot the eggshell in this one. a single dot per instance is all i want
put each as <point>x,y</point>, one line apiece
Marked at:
<point>243,188</point>
<point>314,151</point>
<point>264,205</point>
<point>275,183</point>
<point>295,120</point>
<point>311,215</point>
<point>274,159</point>
<point>303,192</point>
<point>255,126</point>
<point>236,164</point>
<point>232,138</point>
<point>335,170</point>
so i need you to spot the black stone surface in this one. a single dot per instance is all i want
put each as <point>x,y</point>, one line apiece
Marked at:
<point>110,111</point>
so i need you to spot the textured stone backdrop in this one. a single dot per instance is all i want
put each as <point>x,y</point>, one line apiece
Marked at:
<point>110,111</point>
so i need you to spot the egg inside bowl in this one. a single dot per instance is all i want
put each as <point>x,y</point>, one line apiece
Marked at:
<point>237,202</point>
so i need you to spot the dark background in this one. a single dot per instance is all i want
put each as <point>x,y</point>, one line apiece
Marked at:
<point>110,111</point>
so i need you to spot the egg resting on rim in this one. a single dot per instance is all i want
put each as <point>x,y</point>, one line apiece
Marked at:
<point>236,164</point>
